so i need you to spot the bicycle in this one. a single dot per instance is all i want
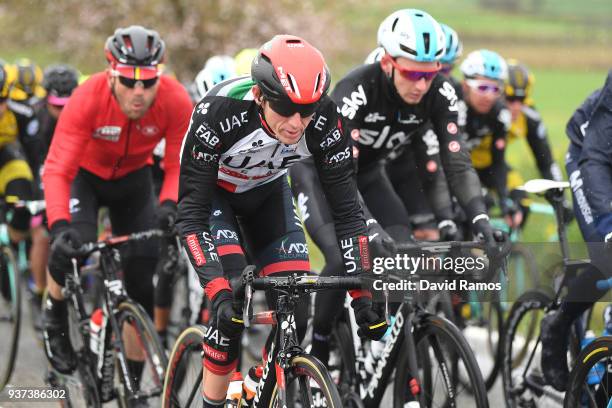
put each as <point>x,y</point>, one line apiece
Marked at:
<point>189,305</point>
<point>523,383</point>
<point>287,365</point>
<point>126,331</point>
<point>10,290</point>
<point>421,349</point>
<point>590,381</point>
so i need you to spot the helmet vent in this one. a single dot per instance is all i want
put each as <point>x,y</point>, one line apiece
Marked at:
<point>408,50</point>
<point>317,81</point>
<point>294,41</point>
<point>426,43</point>
<point>394,24</point>
<point>293,85</point>
<point>128,42</point>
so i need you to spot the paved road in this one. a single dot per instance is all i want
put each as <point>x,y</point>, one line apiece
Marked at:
<point>31,367</point>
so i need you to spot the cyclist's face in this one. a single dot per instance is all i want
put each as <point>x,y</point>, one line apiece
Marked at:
<point>409,90</point>
<point>54,110</point>
<point>2,106</point>
<point>287,129</point>
<point>515,107</point>
<point>481,93</point>
<point>134,102</point>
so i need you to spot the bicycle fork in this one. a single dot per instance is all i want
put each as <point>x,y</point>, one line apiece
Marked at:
<point>414,383</point>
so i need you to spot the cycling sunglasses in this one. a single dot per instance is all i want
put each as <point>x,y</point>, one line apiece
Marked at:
<point>131,82</point>
<point>520,99</point>
<point>483,86</point>
<point>412,75</point>
<point>288,109</point>
<point>446,69</point>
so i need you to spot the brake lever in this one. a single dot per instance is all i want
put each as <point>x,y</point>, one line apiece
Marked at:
<point>246,311</point>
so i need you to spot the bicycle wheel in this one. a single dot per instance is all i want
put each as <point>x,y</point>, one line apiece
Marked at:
<point>590,382</point>
<point>304,373</point>
<point>519,343</point>
<point>145,356</point>
<point>481,322</point>
<point>342,365</point>
<point>82,388</point>
<point>443,354</point>
<point>183,381</point>
<point>10,313</point>
<point>522,272</point>
<point>81,391</point>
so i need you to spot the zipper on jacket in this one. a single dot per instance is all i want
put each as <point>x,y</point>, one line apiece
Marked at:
<point>125,152</point>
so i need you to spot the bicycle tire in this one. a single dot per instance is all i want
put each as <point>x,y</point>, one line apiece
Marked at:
<point>187,346</point>
<point>305,368</point>
<point>90,393</point>
<point>526,270</point>
<point>87,385</point>
<point>10,281</point>
<point>529,302</point>
<point>344,342</point>
<point>591,355</point>
<point>490,318</point>
<point>429,331</point>
<point>155,360</point>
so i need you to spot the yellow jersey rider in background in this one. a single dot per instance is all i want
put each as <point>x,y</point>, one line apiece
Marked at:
<point>527,125</point>
<point>18,130</point>
<point>26,78</point>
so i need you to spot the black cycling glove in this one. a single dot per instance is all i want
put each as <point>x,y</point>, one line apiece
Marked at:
<point>228,321</point>
<point>372,323</point>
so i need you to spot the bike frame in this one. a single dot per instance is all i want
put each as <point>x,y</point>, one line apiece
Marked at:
<point>372,386</point>
<point>284,347</point>
<point>114,294</point>
<point>570,270</point>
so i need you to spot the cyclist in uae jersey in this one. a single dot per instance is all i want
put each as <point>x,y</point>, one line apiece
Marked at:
<point>99,155</point>
<point>588,162</point>
<point>386,104</point>
<point>243,136</point>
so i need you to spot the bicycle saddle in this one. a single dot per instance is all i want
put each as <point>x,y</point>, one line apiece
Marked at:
<point>539,186</point>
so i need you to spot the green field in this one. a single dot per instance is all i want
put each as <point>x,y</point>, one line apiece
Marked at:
<point>557,94</point>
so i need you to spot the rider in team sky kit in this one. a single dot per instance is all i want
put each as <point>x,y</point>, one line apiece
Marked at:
<point>385,104</point>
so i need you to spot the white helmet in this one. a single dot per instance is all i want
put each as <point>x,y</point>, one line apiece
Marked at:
<point>454,47</point>
<point>375,56</point>
<point>413,34</point>
<point>217,69</point>
<point>484,63</point>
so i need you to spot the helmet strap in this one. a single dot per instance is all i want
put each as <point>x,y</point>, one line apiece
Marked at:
<point>264,123</point>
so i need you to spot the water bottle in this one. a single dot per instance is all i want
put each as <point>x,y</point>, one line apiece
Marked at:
<point>95,327</point>
<point>249,385</point>
<point>234,391</point>
<point>596,372</point>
